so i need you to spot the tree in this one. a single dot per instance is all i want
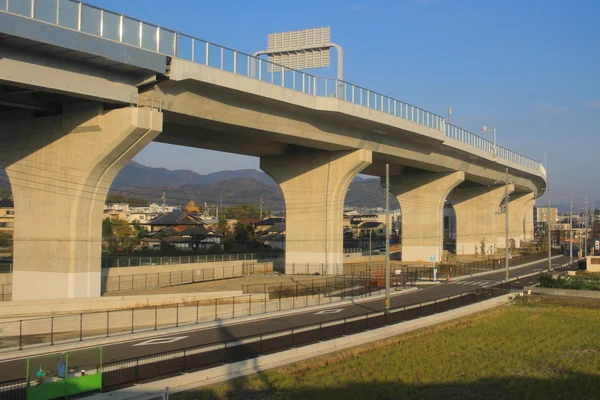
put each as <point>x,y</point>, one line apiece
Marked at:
<point>192,208</point>
<point>244,211</point>
<point>122,239</point>
<point>107,229</point>
<point>482,247</point>
<point>121,228</point>
<point>132,201</point>
<point>512,245</point>
<point>223,227</point>
<point>138,229</point>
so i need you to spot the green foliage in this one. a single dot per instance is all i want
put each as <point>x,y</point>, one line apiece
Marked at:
<point>482,247</point>
<point>512,245</point>
<point>132,201</point>
<point>123,239</point>
<point>243,211</point>
<point>5,239</point>
<point>223,227</point>
<point>476,250</point>
<point>107,230</point>
<point>579,282</point>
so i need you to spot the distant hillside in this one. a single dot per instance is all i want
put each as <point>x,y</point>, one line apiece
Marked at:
<point>136,174</point>
<point>223,187</point>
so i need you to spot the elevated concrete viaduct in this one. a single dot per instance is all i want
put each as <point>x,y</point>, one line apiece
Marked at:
<point>77,103</point>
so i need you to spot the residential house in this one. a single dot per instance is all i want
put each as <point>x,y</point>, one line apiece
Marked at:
<point>7,216</point>
<point>182,230</point>
<point>374,229</point>
<point>267,223</point>
<point>275,236</point>
<point>179,221</point>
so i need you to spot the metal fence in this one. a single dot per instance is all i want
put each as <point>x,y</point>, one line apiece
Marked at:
<point>5,292</point>
<point>74,15</point>
<point>135,370</point>
<point>41,332</point>
<point>111,284</point>
<point>460,269</point>
<point>122,262</point>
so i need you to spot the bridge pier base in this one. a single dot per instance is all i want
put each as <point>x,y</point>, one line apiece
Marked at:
<point>476,218</point>
<point>421,196</point>
<point>60,169</point>
<point>519,205</point>
<point>314,185</point>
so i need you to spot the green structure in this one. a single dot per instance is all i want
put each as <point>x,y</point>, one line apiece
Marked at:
<point>66,374</point>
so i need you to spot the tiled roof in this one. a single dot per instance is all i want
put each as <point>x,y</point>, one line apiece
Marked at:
<point>370,225</point>
<point>195,231</point>
<point>271,221</point>
<point>176,218</point>
<point>276,228</point>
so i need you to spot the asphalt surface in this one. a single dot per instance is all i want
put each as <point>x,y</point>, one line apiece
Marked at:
<point>123,350</point>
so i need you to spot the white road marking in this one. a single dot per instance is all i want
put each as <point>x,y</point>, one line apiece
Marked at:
<point>334,311</point>
<point>165,340</point>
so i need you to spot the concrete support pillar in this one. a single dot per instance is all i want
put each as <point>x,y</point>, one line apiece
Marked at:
<point>476,209</point>
<point>61,169</point>
<point>518,207</point>
<point>314,185</point>
<point>529,227</point>
<point>421,196</point>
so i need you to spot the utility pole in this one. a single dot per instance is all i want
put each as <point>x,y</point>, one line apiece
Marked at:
<point>549,218</point>
<point>587,217</point>
<point>370,241</point>
<point>506,252</point>
<point>387,238</point>
<point>261,207</point>
<point>571,228</point>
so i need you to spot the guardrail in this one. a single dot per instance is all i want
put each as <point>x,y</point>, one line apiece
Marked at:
<point>128,372</point>
<point>123,262</point>
<point>95,21</point>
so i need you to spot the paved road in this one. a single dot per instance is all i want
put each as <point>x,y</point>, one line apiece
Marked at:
<point>15,369</point>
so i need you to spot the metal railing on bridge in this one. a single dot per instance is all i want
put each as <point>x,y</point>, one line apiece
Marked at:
<point>91,20</point>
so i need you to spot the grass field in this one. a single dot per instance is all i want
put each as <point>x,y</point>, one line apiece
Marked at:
<point>537,348</point>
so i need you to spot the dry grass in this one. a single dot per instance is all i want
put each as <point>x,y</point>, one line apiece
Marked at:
<point>540,348</point>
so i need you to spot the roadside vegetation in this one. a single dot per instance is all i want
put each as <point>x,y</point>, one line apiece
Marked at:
<point>538,348</point>
<point>581,281</point>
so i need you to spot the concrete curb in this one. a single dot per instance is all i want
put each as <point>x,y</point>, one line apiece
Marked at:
<point>587,294</point>
<point>210,376</point>
<point>15,355</point>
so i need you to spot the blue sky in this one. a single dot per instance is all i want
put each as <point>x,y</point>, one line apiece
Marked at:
<point>529,68</point>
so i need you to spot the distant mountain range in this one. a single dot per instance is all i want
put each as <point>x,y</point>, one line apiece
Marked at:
<point>246,186</point>
<point>136,174</point>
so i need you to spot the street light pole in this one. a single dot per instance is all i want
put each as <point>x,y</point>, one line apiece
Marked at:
<point>387,238</point>
<point>571,229</point>
<point>506,260</point>
<point>370,242</point>
<point>484,129</point>
<point>548,218</point>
